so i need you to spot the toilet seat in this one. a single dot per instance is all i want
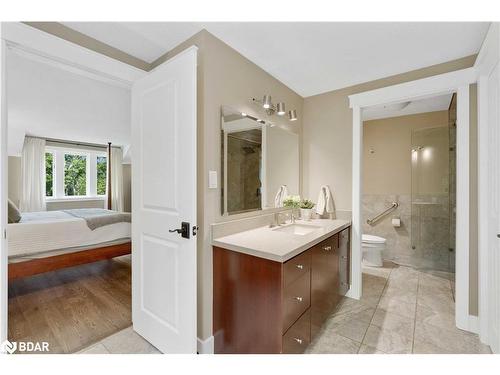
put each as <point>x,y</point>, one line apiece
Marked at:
<point>371,239</point>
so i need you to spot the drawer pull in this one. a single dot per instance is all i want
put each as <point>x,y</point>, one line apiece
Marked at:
<point>300,266</point>
<point>327,248</point>
<point>299,341</point>
<point>344,257</point>
<point>298,299</point>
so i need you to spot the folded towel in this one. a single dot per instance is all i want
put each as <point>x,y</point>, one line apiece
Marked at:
<point>280,196</point>
<point>325,201</point>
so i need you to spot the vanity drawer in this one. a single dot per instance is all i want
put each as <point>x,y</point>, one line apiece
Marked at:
<point>296,267</point>
<point>298,337</point>
<point>330,245</point>
<point>296,299</point>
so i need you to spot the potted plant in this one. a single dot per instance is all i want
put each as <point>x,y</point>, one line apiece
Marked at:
<point>292,202</point>
<point>306,207</point>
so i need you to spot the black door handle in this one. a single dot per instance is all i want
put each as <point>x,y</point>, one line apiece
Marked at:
<point>183,231</point>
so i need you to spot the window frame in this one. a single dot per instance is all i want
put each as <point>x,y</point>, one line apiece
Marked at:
<point>59,153</point>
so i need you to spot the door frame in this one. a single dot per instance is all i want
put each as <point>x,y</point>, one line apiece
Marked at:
<point>4,302</point>
<point>458,82</point>
<point>487,60</point>
<point>48,49</point>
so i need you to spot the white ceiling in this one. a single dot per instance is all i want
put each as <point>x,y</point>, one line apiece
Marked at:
<point>144,40</point>
<point>50,102</point>
<point>436,103</point>
<point>310,58</point>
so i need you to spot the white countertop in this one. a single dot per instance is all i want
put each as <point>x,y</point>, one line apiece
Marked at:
<point>269,243</point>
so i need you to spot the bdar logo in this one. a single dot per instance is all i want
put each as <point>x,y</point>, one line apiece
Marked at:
<point>8,347</point>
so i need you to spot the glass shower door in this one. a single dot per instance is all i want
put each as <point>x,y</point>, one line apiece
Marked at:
<point>430,198</point>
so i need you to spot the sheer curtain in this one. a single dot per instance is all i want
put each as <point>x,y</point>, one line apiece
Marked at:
<point>33,175</point>
<point>116,179</point>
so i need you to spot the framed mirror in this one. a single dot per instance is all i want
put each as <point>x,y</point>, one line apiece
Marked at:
<point>258,157</point>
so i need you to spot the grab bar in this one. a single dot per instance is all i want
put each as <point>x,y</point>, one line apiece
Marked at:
<point>379,216</point>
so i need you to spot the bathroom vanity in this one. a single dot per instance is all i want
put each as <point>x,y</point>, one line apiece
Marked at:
<point>275,287</point>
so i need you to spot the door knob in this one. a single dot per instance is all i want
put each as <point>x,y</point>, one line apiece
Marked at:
<point>183,231</point>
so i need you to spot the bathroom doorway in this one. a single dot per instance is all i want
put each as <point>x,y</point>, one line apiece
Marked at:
<point>409,185</point>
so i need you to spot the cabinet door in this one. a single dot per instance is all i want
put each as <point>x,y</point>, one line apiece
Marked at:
<point>345,261</point>
<point>324,281</point>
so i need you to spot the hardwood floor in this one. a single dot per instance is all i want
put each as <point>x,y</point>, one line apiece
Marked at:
<point>74,307</point>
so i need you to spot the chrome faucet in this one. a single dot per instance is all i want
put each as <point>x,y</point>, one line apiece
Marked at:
<point>276,221</point>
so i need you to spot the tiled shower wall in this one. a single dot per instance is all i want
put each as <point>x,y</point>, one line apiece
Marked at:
<point>422,240</point>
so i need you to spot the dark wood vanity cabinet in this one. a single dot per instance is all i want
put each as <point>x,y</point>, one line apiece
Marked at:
<point>344,261</point>
<point>264,306</point>
<point>325,281</point>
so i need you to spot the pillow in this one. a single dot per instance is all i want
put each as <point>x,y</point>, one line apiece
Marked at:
<point>13,213</point>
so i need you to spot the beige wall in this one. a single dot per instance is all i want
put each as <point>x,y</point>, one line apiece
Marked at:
<point>327,146</point>
<point>390,139</point>
<point>327,132</point>
<point>224,78</point>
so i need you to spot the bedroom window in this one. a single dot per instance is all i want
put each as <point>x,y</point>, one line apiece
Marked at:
<point>49,174</point>
<point>102,166</point>
<point>75,174</point>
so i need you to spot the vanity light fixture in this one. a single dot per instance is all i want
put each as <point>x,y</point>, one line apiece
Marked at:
<point>266,102</point>
<point>278,109</point>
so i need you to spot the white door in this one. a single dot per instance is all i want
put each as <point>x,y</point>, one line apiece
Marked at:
<point>494,208</point>
<point>3,192</point>
<point>163,196</point>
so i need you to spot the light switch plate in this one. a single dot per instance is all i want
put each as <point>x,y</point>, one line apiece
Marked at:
<point>212,179</point>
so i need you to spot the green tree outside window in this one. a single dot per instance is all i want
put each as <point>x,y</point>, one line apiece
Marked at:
<point>101,175</point>
<point>75,175</point>
<point>49,174</point>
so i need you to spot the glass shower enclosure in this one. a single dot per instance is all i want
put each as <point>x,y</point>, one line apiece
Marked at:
<point>432,199</point>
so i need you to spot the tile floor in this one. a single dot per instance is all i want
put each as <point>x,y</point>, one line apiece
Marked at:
<point>402,311</point>
<point>123,342</point>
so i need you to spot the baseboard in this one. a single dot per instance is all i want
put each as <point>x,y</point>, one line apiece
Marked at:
<point>473,325</point>
<point>206,346</point>
<point>352,294</point>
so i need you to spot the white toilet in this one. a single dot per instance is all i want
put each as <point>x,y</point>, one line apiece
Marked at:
<point>372,250</point>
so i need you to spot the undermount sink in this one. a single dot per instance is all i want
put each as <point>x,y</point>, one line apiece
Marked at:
<point>297,229</point>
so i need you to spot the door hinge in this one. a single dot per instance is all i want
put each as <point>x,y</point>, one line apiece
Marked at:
<point>5,234</point>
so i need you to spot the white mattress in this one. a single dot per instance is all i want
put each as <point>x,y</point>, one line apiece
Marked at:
<point>39,232</point>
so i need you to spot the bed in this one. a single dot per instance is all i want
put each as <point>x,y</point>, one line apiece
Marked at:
<point>50,240</point>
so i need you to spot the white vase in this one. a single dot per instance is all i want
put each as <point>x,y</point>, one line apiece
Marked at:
<point>305,213</point>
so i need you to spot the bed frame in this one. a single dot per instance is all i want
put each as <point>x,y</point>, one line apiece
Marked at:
<point>52,263</point>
